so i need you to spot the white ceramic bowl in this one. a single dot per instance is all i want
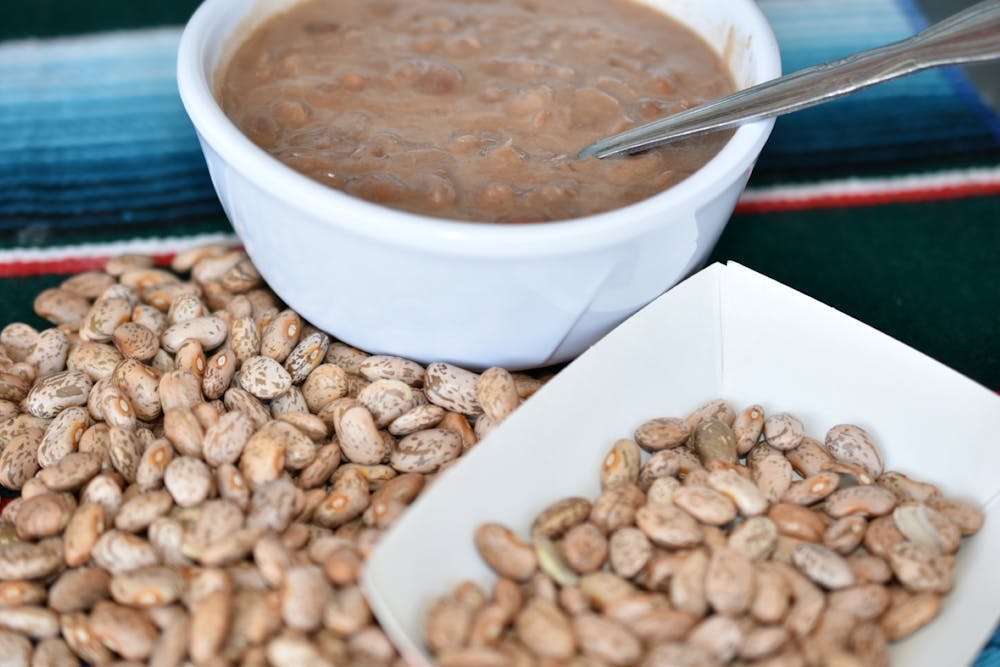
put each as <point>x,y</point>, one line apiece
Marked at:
<point>474,294</point>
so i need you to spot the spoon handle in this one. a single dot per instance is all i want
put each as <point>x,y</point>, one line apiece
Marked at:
<point>972,35</point>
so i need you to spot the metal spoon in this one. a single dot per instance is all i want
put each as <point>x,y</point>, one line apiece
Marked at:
<point>972,35</point>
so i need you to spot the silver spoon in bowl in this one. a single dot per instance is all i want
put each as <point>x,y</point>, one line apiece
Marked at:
<point>972,35</point>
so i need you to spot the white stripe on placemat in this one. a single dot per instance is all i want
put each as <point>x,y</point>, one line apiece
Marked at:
<point>23,262</point>
<point>152,246</point>
<point>940,185</point>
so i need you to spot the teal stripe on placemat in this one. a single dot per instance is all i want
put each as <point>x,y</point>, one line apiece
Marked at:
<point>96,151</point>
<point>142,133</point>
<point>62,194</point>
<point>990,657</point>
<point>98,172</point>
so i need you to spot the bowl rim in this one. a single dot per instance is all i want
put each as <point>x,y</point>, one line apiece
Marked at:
<point>444,236</point>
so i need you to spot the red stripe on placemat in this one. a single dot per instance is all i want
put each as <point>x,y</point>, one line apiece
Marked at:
<point>849,199</point>
<point>64,265</point>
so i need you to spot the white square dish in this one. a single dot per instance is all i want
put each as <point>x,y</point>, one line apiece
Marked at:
<point>732,333</point>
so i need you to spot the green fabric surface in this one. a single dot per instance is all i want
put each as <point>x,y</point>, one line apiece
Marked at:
<point>923,273</point>
<point>17,296</point>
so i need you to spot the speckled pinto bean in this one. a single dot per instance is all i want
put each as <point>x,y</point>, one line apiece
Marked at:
<point>62,307</point>
<point>103,318</point>
<point>224,441</point>
<point>280,335</point>
<point>505,552</point>
<point>452,388</point>
<point>306,356</point>
<point>359,437</point>
<point>864,500</point>
<point>135,340</point>
<point>19,459</point>
<point>770,470</point>
<point>824,566</point>
<point>845,535</point>
<point>705,504</point>
<point>264,377</point>
<point>387,367</point>
<point>44,515</point>
<point>716,408</point>
<point>13,387</point>
<point>386,400</point>
<point>88,284</point>
<point>242,400</point>
<point>621,465</point>
<point>584,547</point>
<point>188,480</point>
<point>497,394</point>
<point>668,526</point>
<point>701,558</point>
<point>662,433</point>
<point>71,472</point>
<point>783,431</point>
<point>56,392</point>
<point>190,357</point>
<point>747,427</point>
<point>140,384</point>
<point>797,522</point>
<point>853,444</point>
<point>426,451</point>
<point>424,417</point>
<point>244,338</point>
<point>747,497</point>
<point>560,516</point>
<point>49,353</point>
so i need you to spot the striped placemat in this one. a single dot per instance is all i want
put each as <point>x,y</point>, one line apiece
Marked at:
<point>885,204</point>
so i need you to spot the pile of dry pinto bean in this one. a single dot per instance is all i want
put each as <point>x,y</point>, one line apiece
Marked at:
<point>740,540</point>
<point>202,473</point>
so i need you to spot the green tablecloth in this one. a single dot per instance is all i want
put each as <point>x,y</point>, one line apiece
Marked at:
<point>885,205</point>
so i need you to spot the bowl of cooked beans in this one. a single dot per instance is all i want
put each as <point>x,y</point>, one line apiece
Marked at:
<point>404,173</point>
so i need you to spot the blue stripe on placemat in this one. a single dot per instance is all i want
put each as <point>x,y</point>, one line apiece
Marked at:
<point>115,214</point>
<point>89,148</point>
<point>98,172</point>
<point>939,120</point>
